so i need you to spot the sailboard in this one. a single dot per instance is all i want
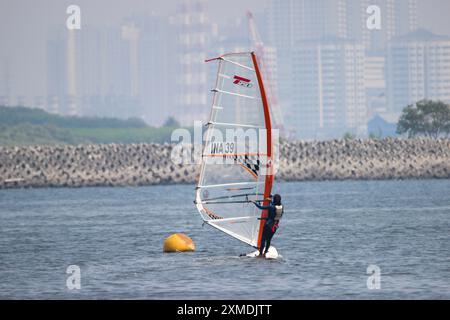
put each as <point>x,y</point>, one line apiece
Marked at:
<point>234,173</point>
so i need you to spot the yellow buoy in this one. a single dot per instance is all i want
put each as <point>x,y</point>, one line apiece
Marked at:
<point>178,242</point>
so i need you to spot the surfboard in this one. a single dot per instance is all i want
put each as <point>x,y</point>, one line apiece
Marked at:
<point>235,172</point>
<point>272,253</point>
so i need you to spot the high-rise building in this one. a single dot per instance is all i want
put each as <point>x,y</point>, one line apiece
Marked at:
<point>131,35</point>
<point>71,65</point>
<point>82,70</point>
<point>418,67</point>
<point>157,69</point>
<point>291,21</point>
<point>397,17</point>
<point>406,16</point>
<point>193,30</point>
<point>63,72</point>
<point>328,89</point>
<point>151,54</point>
<point>375,84</point>
<point>125,71</point>
<point>108,71</point>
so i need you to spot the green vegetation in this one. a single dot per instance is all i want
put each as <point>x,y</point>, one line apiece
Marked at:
<point>17,115</point>
<point>26,126</point>
<point>349,136</point>
<point>426,117</point>
<point>125,135</point>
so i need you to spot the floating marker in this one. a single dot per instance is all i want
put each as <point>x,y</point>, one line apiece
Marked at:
<point>178,242</point>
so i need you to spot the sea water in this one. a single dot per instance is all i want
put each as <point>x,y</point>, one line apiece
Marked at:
<point>338,240</point>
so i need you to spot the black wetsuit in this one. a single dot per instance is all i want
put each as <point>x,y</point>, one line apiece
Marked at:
<point>270,227</point>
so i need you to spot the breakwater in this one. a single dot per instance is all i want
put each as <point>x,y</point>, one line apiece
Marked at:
<point>147,164</point>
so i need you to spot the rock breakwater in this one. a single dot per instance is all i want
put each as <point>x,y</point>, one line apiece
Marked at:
<point>149,164</point>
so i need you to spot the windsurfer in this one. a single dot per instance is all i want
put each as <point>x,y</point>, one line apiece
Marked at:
<point>275,212</point>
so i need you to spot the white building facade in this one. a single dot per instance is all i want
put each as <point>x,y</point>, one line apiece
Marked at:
<point>328,89</point>
<point>418,67</point>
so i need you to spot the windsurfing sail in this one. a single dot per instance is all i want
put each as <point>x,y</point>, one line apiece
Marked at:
<point>235,171</point>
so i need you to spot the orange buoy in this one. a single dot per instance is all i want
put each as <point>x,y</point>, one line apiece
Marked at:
<point>178,242</point>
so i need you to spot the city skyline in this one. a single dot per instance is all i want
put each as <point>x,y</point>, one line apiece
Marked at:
<point>147,60</point>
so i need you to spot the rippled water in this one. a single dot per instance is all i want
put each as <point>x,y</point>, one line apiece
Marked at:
<point>330,234</point>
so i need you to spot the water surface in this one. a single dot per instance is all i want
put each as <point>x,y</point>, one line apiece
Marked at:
<point>330,233</point>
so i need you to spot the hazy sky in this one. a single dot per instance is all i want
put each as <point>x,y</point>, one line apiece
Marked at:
<point>24,25</point>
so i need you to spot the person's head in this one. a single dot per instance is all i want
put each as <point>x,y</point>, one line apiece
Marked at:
<point>277,199</point>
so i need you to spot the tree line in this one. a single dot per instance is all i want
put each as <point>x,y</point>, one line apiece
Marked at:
<point>30,126</point>
<point>425,118</point>
<point>15,115</point>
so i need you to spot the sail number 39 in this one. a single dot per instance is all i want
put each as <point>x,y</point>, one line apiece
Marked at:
<point>222,148</point>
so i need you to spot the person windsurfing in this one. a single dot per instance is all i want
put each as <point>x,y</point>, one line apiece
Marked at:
<point>275,212</point>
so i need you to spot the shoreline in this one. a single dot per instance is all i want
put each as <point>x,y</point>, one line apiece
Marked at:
<point>150,164</point>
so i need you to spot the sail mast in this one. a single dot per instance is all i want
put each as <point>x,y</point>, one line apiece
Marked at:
<point>269,175</point>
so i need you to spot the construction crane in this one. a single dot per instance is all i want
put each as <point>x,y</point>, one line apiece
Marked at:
<point>270,86</point>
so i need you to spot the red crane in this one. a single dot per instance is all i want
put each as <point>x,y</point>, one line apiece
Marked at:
<point>270,85</point>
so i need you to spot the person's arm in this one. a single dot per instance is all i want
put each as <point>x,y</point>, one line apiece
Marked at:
<point>260,206</point>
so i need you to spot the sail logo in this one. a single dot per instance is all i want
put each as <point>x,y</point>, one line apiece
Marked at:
<point>242,81</point>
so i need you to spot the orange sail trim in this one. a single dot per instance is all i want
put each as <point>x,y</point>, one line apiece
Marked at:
<point>269,175</point>
<point>234,154</point>
<point>249,171</point>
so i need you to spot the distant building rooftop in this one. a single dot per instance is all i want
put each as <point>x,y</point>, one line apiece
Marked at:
<point>419,35</point>
<point>328,39</point>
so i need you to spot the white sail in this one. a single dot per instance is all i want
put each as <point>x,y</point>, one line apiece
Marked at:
<point>231,174</point>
